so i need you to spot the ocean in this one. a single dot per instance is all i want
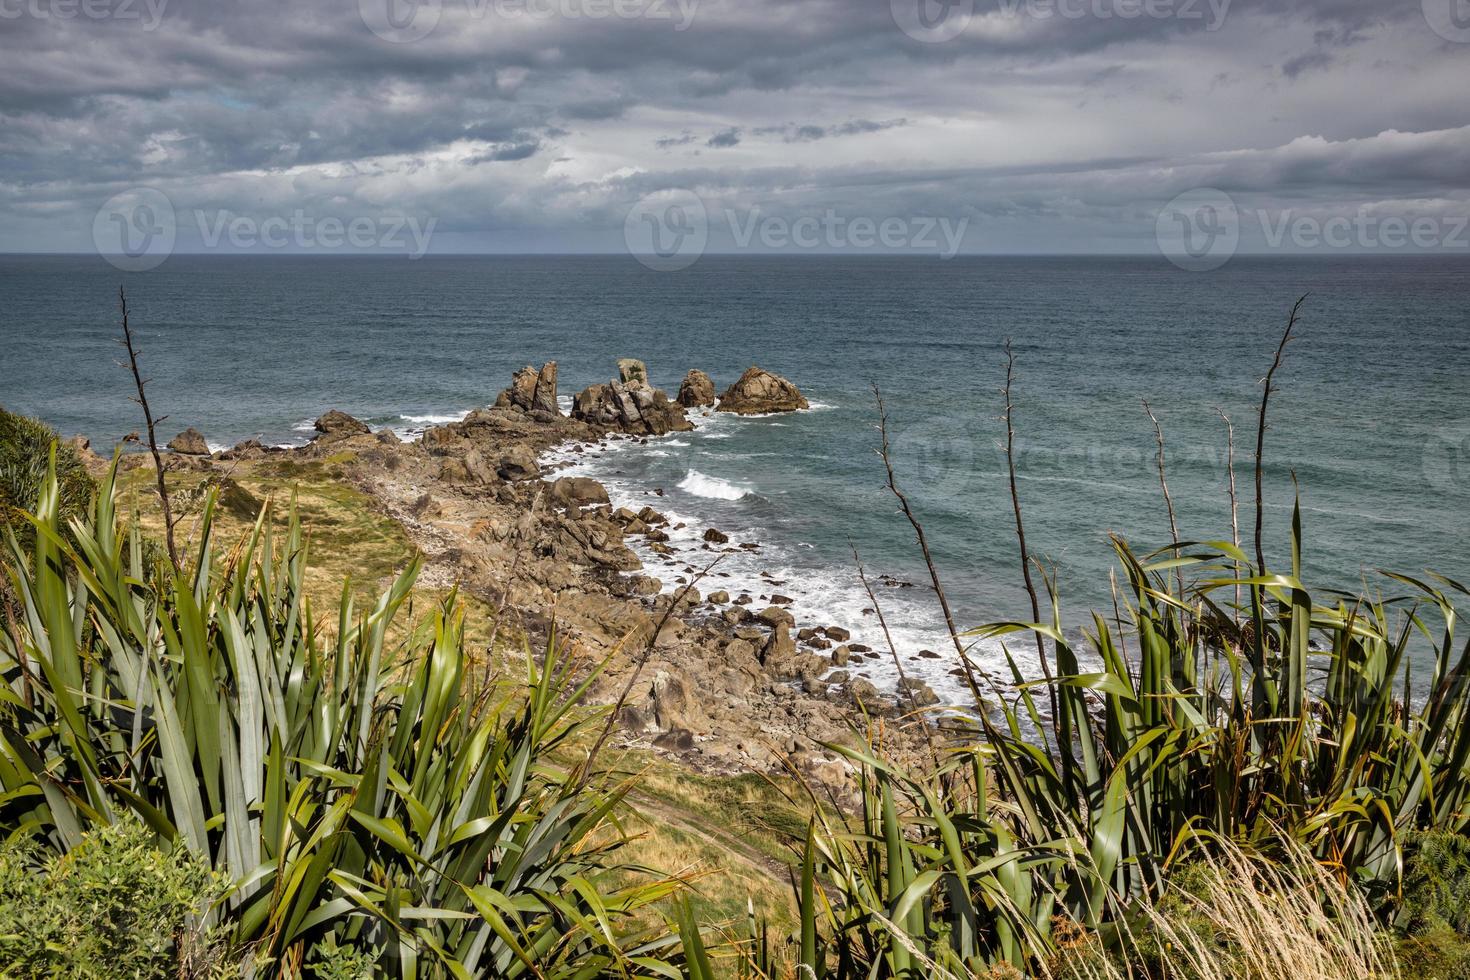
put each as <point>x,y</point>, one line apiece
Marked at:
<point>1371,421</point>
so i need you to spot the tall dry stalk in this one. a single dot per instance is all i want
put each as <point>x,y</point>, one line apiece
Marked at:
<point>1021,525</point>
<point>1267,389</point>
<point>908,513</point>
<point>152,424</point>
<point>1164,485</point>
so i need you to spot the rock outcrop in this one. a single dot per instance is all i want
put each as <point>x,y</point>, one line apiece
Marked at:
<point>630,404</point>
<point>532,390</point>
<point>632,371</point>
<point>697,390</point>
<point>339,425</point>
<point>759,391</point>
<point>190,442</point>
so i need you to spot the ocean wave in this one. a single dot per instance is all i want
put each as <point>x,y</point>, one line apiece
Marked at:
<point>435,419</point>
<point>678,443</point>
<point>711,487</point>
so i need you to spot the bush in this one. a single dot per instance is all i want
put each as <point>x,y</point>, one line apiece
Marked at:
<point>115,906</point>
<point>364,800</point>
<point>1436,883</point>
<point>25,448</point>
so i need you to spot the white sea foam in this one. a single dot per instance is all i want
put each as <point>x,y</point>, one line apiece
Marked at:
<point>435,419</point>
<point>679,443</point>
<point>712,487</point>
<point>828,594</point>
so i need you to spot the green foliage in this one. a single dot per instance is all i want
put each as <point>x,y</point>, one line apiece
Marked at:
<point>355,792</point>
<point>115,906</point>
<point>1436,886</point>
<point>1437,953</point>
<point>1273,725</point>
<point>25,449</point>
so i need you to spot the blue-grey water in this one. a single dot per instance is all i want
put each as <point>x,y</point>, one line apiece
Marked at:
<point>1372,417</point>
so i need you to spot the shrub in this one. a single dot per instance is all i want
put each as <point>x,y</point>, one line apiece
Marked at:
<point>1436,883</point>
<point>25,448</point>
<point>363,801</point>
<point>117,905</point>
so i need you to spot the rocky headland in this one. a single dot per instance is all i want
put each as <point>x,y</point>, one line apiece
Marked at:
<point>730,682</point>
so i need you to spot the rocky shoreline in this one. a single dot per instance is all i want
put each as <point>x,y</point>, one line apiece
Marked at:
<point>730,683</point>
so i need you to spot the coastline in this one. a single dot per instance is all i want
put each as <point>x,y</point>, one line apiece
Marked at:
<point>739,678</point>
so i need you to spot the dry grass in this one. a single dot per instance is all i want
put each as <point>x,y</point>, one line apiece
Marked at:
<point>1244,917</point>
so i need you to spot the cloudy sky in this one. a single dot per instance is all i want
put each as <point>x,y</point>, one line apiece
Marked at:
<point>1011,126</point>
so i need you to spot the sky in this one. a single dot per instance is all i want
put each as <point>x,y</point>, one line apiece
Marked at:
<point>671,127</point>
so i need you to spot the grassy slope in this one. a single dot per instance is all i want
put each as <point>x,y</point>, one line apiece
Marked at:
<point>732,833</point>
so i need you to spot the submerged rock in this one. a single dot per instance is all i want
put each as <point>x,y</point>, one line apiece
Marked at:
<point>759,391</point>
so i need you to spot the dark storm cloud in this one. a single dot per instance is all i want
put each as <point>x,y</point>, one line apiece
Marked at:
<point>501,116</point>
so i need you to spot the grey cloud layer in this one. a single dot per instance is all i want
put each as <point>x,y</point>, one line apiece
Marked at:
<point>508,126</point>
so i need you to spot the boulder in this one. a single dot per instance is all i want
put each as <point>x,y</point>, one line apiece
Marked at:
<point>838,633</point>
<point>532,390</point>
<point>190,442</point>
<point>718,598</point>
<point>477,468</point>
<point>758,391</point>
<point>864,691</point>
<point>776,616</point>
<point>582,491</point>
<point>246,449</point>
<point>716,537</point>
<point>340,424</point>
<point>921,694</point>
<point>697,390</point>
<point>518,463</point>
